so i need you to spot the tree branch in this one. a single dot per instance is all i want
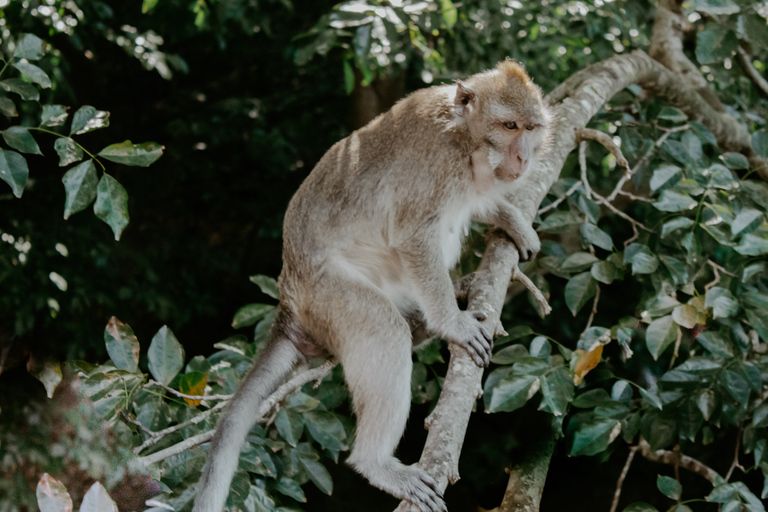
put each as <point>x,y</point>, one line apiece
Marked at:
<point>622,476</point>
<point>745,59</point>
<point>684,461</point>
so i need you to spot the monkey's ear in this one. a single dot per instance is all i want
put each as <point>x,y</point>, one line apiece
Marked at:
<point>465,101</point>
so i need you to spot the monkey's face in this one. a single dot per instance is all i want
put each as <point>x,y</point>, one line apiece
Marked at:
<point>506,117</point>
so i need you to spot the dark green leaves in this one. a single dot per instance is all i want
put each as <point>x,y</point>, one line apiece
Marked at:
<point>166,356</point>
<point>53,115</point>
<point>250,314</point>
<point>19,138</point>
<point>669,487</point>
<point>87,119</point>
<point>318,474</point>
<point>34,73</point>
<point>671,201</point>
<point>7,107</point>
<point>715,43</point>
<point>112,204</point>
<point>660,334</point>
<point>27,91</point>
<point>126,153</point>
<point>512,393</point>
<point>596,236</point>
<point>122,345</point>
<point>69,152</point>
<point>14,171</point>
<point>594,436</point>
<point>579,290</point>
<point>80,186</point>
<point>326,429</point>
<point>29,47</point>
<point>746,221</point>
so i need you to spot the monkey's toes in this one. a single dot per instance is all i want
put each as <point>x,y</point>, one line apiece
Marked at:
<point>423,493</point>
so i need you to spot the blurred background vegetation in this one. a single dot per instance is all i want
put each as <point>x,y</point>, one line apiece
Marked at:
<point>246,96</point>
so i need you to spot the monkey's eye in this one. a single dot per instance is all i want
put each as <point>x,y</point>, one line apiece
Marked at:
<point>530,127</point>
<point>510,125</point>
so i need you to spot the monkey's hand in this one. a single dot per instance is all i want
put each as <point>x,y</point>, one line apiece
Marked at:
<point>466,330</point>
<point>527,241</point>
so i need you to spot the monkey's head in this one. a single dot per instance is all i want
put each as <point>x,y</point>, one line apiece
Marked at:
<point>504,114</point>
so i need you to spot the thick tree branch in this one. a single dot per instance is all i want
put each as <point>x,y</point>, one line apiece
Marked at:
<point>684,461</point>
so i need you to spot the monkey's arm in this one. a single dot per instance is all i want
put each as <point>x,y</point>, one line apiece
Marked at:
<point>432,284</point>
<point>512,221</point>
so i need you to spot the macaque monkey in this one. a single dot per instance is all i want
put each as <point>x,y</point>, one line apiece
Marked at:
<point>369,239</point>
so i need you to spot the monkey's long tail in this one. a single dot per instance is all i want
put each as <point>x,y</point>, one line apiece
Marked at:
<point>269,371</point>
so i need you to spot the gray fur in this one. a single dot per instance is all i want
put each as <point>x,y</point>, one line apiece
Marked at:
<point>369,239</point>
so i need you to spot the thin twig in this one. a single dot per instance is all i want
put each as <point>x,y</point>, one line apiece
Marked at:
<point>584,134</point>
<point>518,275</point>
<point>170,430</point>
<point>676,353</point>
<point>315,374</point>
<point>622,476</point>
<point>594,309</point>
<point>735,464</point>
<point>138,424</point>
<point>745,59</point>
<point>184,395</point>
<point>556,202</point>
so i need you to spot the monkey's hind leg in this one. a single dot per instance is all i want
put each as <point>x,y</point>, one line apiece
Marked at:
<point>373,342</point>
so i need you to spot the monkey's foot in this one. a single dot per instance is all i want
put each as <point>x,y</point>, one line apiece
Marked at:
<point>410,483</point>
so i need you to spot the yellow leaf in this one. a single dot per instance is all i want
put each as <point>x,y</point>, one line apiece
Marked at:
<point>587,361</point>
<point>193,383</point>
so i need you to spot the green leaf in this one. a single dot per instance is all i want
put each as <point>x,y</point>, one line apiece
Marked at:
<point>148,5</point>
<point>349,77</point>
<point>660,334</point>
<point>753,504</point>
<point>97,500</point>
<point>592,398</point>
<point>722,494</point>
<point>589,208</point>
<point>509,355</point>
<point>250,314</point>
<point>621,391</point>
<point>715,43</point>
<point>112,204</point>
<point>746,221</point>
<point>678,151</point>
<point>29,47</point>
<point>760,418</point>
<point>53,115</point>
<point>291,488</point>
<point>596,236</point>
<point>126,153</point>
<point>69,152</point>
<point>80,187</point>
<point>706,403</point>
<point>604,271</point>
<point>362,41</point>
<point>735,160</point>
<point>666,175</point>
<point>512,393</point>
<point>122,345</point>
<point>34,73</point>
<point>26,90</point>
<point>52,496</point>
<point>736,386</point>
<point>594,437</point>
<point>722,302</point>
<point>318,474</point>
<point>290,425</point>
<point>674,224</point>
<point>559,222</point>
<point>87,119</point>
<point>669,487</point>
<point>578,262</point>
<point>19,138</point>
<point>652,396</point>
<point>14,171</point>
<point>672,114</point>
<point>8,107</point>
<point>751,245</point>
<point>716,7</point>
<point>166,356</point>
<point>715,343</point>
<point>693,146</point>
<point>685,316</point>
<point>671,201</point>
<point>326,429</point>
<point>557,391</point>
<point>267,284</point>
<point>676,268</point>
<point>760,139</point>
<point>449,13</point>
<point>639,506</point>
<point>579,290</point>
